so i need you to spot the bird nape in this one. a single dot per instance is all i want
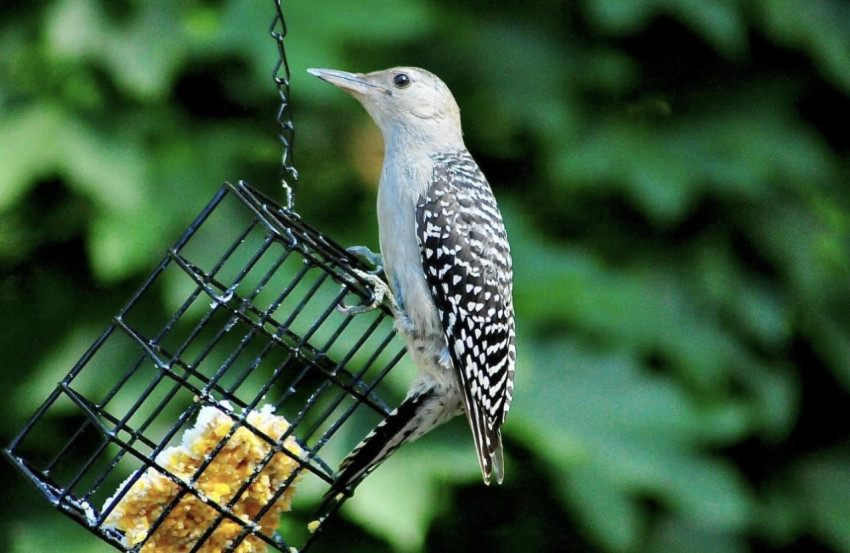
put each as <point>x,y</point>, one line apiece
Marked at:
<point>448,265</point>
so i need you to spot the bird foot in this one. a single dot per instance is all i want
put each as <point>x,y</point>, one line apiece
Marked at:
<point>368,258</point>
<point>380,292</point>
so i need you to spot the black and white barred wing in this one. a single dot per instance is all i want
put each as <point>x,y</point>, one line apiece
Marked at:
<point>467,264</point>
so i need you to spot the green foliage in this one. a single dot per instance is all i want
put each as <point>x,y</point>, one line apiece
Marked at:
<point>674,180</point>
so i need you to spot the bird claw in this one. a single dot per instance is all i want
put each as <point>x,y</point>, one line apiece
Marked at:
<point>380,291</point>
<point>368,258</point>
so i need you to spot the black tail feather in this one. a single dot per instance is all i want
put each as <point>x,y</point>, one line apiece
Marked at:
<point>399,427</point>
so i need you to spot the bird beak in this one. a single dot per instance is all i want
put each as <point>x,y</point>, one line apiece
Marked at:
<point>353,83</point>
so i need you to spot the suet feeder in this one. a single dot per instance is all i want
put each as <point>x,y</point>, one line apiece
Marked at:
<point>190,431</point>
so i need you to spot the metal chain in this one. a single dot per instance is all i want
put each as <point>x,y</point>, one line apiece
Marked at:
<point>286,131</point>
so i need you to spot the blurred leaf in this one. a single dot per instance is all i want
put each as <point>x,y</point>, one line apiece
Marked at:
<point>818,28</point>
<point>664,169</point>
<point>45,139</point>
<point>639,436</point>
<point>823,484</point>
<point>614,519</point>
<point>56,533</point>
<point>322,34</point>
<point>673,534</point>
<point>719,21</point>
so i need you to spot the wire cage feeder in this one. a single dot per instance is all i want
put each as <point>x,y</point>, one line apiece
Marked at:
<point>218,410</point>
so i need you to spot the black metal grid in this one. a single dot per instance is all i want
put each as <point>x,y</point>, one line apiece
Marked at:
<point>250,295</point>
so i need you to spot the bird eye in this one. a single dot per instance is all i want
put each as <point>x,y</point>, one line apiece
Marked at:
<point>402,80</point>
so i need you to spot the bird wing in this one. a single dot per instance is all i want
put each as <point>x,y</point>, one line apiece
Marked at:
<point>467,265</point>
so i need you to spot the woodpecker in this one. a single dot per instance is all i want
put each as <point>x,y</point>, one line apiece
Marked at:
<point>447,261</point>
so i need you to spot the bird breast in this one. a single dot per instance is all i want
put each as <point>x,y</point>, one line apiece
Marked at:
<point>403,180</point>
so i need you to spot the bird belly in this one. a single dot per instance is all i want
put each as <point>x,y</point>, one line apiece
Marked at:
<point>421,327</point>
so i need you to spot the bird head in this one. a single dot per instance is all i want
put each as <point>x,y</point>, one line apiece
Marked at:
<point>403,100</point>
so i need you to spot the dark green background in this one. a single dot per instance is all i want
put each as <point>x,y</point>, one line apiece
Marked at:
<point>674,178</point>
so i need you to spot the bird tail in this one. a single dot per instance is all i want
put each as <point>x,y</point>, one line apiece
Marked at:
<point>488,442</point>
<point>419,413</point>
